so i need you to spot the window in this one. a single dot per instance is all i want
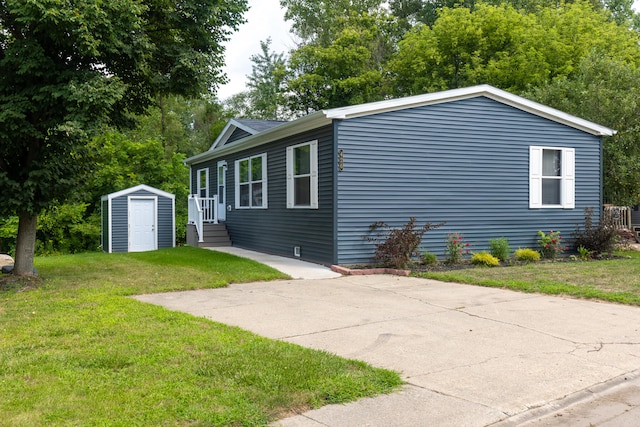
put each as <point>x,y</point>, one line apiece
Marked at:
<point>222,168</point>
<point>203,183</point>
<point>551,177</point>
<point>251,182</point>
<point>302,176</point>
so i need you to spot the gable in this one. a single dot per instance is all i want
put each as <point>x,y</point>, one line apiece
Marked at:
<point>140,187</point>
<point>237,129</point>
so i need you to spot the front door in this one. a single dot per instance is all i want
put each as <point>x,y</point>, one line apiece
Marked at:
<point>222,173</point>
<point>142,224</point>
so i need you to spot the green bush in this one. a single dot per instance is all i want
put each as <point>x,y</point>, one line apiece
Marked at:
<point>500,248</point>
<point>584,253</point>
<point>551,244</point>
<point>527,255</point>
<point>429,258</point>
<point>456,248</point>
<point>65,228</point>
<point>484,259</point>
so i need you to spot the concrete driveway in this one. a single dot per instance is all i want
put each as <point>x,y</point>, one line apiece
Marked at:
<point>471,356</point>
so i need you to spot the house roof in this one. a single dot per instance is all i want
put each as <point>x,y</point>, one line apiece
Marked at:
<point>325,117</point>
<point>138,188</point>
<point>250,126</point>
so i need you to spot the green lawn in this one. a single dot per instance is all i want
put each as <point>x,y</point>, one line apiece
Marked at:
<point>615,280</point>
<point>75,351</point>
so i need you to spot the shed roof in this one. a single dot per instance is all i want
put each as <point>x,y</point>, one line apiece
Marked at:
<point>325,117</point>
<point>138,188</point>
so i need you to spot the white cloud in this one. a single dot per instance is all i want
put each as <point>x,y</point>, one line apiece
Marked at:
<point>264,19</point>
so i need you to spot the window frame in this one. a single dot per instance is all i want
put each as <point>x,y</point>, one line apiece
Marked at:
<point>567,177</point>
<point>199,188</point>
<point>251,182</point>
<point>313,175</point>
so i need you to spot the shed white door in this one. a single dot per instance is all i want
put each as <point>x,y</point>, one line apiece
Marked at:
<point>142,225</point>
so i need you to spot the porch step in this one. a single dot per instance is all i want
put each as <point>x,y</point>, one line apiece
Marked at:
<point>214,235</point>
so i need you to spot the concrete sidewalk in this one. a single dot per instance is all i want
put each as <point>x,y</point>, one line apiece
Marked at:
<point>295,268</point>
<point>471,356</point>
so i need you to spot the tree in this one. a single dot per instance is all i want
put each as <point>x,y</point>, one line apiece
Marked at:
<point>189,124</point>
<point>427,11</point>
<point>348,70</point>
<point>505,47</point>
<point>413,12</point>
<point>606,91</point>
<point>266,83</point>
<point>319,21</point>
<point>69,67</point>
<point>621,11</point>
<point>238,105</point>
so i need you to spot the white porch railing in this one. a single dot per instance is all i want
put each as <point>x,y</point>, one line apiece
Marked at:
<point>620,215</point>
<point>201,210</point>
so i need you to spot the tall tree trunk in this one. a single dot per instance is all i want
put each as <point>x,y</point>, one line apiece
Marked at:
<point>162,116</point>
<point>25,244</point>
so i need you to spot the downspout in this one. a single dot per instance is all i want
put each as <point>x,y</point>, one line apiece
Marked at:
<point>334,126</point>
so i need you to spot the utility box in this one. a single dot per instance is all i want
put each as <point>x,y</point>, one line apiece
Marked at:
<point>138,219</point>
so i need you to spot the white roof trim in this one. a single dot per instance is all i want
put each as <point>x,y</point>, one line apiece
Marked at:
<point>324,117</point>
<point>303,124</point>
<point>470,92</point>
<point>138,188</point>
<point>228,130</point>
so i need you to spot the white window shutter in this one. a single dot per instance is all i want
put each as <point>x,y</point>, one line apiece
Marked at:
<point>314,175</point>
<point>289,177</point>
<point>568,178</point>
<point>535,177</point>
<point>237,182</point>
<point>265,186</point>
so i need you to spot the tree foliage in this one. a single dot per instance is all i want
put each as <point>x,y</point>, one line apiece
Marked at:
<point>67,68</point>
<point>320,21</point>
<point>606,91</point>
<point>185,125</point>
<point>266,83</point>
<point>504,47</point>
<point>427,11</point>
<point>349,70</point>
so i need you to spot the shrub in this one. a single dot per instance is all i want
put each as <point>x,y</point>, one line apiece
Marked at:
<point>429,258</point>
<point>527,255</point>
<point>400,244</point>
<point>551,244</point>
<point>484,259</point>
<point>456,247</point>
<point>500,248</point>
<point>583,253</point>
<point>599,239</point>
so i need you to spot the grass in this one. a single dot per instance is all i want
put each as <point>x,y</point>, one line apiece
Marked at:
<point>75,351</point>
<point>615,280</point>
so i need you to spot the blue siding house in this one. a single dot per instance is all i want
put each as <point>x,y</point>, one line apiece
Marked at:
<point>488,163</point>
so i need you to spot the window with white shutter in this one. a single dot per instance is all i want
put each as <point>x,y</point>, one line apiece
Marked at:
<point>551,177</point>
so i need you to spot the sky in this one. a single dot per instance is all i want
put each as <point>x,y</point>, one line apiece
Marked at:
<point>265,19</point>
